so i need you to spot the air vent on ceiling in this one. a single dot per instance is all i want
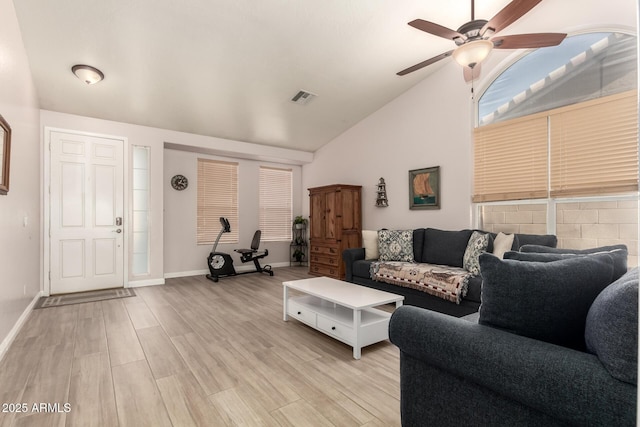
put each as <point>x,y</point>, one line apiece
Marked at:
<point>303,97</point>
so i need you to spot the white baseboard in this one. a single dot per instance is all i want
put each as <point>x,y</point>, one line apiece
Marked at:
<point>185,274</point>
<point>239,269</point>
<point>13,333</point>
<point>277,265</point>
<point>141,283</point>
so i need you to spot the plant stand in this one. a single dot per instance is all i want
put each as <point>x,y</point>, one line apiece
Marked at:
<point>298,250</point>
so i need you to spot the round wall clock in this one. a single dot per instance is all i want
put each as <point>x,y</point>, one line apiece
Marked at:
<point>179,182</point>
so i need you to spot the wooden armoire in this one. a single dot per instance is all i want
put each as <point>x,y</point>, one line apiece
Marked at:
<point>335,218</point>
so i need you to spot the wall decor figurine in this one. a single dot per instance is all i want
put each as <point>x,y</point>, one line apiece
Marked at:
<point>381,199</point>
<point>424,188</point>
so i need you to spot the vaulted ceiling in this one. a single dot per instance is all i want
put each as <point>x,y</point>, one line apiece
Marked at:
<point>230,68</point>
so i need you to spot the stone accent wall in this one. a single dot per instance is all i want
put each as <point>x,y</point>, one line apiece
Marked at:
<point>525,218</point>
<point>592,224</point>
<point>579,225</point>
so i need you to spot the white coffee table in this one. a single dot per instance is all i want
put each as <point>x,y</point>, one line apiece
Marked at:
<point>341,310</point>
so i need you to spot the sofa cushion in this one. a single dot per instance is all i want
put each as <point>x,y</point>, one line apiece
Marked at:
<point>445,247</point>
<point>361,268</point>
<point>370,244</point>
<point>619,253</point>
<point>418,243</point>
<point>478,243</point>
<point>548,240</point>
<point>474,289</point>
<point>545,301</point>
<point>395,245</point>
<point>611,331</point>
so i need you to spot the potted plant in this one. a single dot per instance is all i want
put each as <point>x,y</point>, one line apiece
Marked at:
<point>298,255</point>
<point>300,222</point>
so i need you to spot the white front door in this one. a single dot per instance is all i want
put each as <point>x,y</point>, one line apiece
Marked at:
<point>86,213</point>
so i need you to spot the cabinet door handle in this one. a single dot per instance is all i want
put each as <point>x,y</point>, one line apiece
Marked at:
<point>333,328</point>
<point>299,312</point>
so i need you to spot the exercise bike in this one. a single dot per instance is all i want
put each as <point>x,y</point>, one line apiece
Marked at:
<point>221,263</point>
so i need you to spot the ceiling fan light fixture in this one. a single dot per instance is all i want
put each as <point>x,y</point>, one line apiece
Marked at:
<point>472,53</point>
<point>88,74</point>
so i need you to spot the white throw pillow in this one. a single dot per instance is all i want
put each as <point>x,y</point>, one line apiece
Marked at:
<point>370,243</point>
<point>502,243</point>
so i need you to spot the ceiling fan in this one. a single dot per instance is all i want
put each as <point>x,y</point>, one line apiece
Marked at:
<point>476,38</point>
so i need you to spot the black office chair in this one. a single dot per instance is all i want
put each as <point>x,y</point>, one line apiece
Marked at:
<point>254,255</point>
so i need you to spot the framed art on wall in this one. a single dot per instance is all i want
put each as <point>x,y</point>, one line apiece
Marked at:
<point>424,188</point>
<point>5,155</point>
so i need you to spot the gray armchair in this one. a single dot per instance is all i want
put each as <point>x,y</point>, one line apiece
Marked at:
<point>456,372</point>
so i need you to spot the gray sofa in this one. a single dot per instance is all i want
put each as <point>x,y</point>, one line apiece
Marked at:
<point>441,247</point>
<point>457,372</point>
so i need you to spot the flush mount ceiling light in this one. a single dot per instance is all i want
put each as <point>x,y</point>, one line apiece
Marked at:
<point>88,74</point>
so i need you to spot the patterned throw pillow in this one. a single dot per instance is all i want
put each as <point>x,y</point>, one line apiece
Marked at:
<point>395,245</point>
<point>478,243</point>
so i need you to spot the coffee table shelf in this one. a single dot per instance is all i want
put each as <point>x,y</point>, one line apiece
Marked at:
<point>341,310</point>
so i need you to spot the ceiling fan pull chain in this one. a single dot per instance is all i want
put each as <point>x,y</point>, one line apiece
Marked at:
<point>472,93</point>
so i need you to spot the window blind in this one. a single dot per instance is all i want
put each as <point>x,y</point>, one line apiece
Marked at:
<point>275,203</point>
<point>594,147</point>
<point>586,149</point>
<point>510,160</point>
<point>217,196</point>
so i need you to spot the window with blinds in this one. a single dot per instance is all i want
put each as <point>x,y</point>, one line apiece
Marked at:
<point>593,151</point>
<point>594,147</point>
<point>510,160</point>
<point>217,197</point>
<point>276,203</point>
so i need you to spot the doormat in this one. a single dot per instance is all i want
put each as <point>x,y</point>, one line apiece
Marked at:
<point>82,297</point>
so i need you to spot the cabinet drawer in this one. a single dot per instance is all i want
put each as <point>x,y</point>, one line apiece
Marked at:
<point>324,249</point>
<point>325,259</point>
<point>335,329</point>
<point>301,313</point>
<point>323,270</point>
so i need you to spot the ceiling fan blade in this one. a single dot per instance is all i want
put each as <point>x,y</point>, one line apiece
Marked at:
<point>509,14</point>
<point>435,29</point>
<point>425,63</point>
<point>471,73</point>
<point>525,41</point>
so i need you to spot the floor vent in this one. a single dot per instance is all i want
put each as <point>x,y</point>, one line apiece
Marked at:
<point>303,97</point>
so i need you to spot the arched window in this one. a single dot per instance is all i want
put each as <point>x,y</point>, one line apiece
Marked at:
<point>556,144</point>
<point>581,68</point>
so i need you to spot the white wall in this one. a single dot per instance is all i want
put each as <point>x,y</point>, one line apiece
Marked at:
<point>19,243</point>
<point>181,253</point>
<point>174,253</point>
<point>429,125</point>
<point>136,135</point>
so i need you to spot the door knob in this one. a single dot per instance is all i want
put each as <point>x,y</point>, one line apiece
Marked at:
<point>118,230</point>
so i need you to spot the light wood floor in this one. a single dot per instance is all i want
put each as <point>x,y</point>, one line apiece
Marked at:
<point>194,352</point>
